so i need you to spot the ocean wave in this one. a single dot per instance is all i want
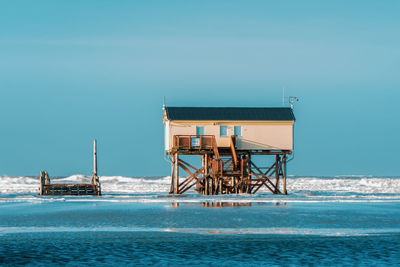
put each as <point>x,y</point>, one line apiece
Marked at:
<point>138,185</point>
<point>362,185</point>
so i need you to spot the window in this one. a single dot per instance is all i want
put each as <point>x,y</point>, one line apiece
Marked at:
<point>195,141</point>
<point>223,130</point>
<point>238,130</point>
<point>199,130</point>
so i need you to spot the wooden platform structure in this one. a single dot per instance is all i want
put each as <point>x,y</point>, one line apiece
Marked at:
<point>231,142</point>
<point>225,171</point>
<point>46,188</point>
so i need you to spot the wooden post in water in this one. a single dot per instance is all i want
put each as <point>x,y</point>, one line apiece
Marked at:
<point>198,184</point>
<point>46,178</point>
<point>277,164</point>
<point>248,168</point>
<point>171,191</point>
<point>94,177</point>
<point>206,186</point>
<point>284,174</point>
<point>41,183</point>
<point>241,176</point>
<point>205,175</point>
<point>176,173</point>
<point>212,186</point>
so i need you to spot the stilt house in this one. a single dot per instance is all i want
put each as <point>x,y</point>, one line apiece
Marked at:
<point>226,138</point>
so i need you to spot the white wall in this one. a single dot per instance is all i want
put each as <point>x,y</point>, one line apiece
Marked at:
<point>257,136</point>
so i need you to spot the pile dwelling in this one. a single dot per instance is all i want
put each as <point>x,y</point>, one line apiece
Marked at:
<point>229,142</point>
<point>46,188</point>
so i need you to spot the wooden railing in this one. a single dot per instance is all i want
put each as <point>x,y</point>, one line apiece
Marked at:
<point>196,142</point>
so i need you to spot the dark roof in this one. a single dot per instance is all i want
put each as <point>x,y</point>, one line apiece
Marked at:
<point>229,114</point>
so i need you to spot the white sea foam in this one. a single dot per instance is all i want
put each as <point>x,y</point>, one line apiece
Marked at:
<point>312,186</point>
<point>361,185</point>
<point>118,184</point>
<point>20,184</point>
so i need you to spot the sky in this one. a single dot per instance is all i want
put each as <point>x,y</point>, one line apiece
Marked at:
<point>73,71</point>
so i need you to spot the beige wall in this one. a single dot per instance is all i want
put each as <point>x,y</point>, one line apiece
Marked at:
<point>267,135</point>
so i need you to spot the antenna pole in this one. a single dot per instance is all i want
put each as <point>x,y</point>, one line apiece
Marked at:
<point>163,102</point>
<point>292,99</point>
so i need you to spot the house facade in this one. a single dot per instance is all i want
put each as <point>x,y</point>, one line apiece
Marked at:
<point>254,128</point>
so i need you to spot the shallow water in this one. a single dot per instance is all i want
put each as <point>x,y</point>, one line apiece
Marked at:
<point>324,221</point>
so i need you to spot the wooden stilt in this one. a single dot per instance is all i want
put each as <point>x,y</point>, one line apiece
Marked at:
<point>210,186</point>
<point>248,169</point>
<point>176,174</point>
<point>277,161</point>
<point>198,184</point>
<point>241,176</point>
<point>284,174</point>
<point>205,186</point>
<point>171,191</point>
<point>206,181</point>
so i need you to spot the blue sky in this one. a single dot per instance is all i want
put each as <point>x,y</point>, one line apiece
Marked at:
<point>72,71</point>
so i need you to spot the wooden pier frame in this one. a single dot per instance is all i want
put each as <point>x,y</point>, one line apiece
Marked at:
<point>46,188</point>
<point>225,170</point>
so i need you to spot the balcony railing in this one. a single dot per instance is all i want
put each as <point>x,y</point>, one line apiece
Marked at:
<point>194,141</point>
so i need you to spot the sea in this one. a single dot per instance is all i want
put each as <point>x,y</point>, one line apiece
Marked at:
<point>323,221</point>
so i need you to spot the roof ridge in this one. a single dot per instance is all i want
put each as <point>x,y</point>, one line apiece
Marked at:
<point>230,113</point>
<point>231,107</point>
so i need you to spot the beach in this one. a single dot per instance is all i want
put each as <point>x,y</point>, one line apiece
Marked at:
<point>346,220</point>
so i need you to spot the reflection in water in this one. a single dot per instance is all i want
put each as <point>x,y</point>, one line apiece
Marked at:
<point>222,204</point>
<point>225,204</point>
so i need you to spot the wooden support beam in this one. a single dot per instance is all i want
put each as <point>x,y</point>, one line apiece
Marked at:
<point>233,149</point>
<point>176,174</point>
<point>242,165</point>
<point>266,180</point>
<point>263,178</point>
<point>187,164</point>
<point>215,148</point>
<point>171,191</point>
<point>223,175</point>
<point>262,181</point>
<point>277,161</point>
<point>284,174</point>
<point>192,174</point>
<point>186,185</point>
<point>185,168</point>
